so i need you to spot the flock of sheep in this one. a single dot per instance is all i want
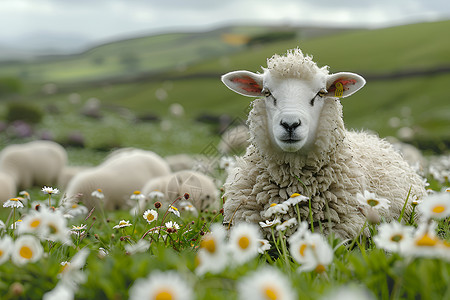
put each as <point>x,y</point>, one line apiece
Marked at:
<point>297,143</point>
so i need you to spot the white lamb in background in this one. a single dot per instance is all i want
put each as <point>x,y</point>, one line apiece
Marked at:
<point>298,137</point>
<point>122,173</point>
<point>7,187</point>
<point>202,191</point>
<point>36,163</point>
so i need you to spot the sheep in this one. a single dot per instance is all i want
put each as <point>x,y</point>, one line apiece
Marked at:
<point>298,144</point>
<point>36,163</point>
<point>118,177</point>
<point>201,189</point>
<point>234,140</point>
<point>7,187</point>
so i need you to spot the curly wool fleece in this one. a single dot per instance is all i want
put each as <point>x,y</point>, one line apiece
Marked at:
<point>341,164</point>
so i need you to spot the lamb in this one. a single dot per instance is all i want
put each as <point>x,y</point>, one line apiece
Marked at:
<point>121,174</point>
<point>7,187</point>
<point>36,163</point>
<point>298,144</point>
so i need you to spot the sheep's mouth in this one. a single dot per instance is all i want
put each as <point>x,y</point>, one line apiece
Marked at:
<point>290,141</point>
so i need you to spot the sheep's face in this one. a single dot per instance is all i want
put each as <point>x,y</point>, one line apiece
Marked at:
<point>293,105</point>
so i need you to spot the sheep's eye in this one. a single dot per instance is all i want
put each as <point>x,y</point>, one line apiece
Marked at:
<point>267,94</point>
<point>322,93</point>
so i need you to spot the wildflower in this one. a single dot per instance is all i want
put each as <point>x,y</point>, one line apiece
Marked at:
<point>188,207</point>
<point>161,285</point>
<point>174,210</point>
<point>268,223</point>
<point>102,252</point>
<point>266,283</point>
<point>14,203</point>
<point>27,248</point>
<point>349,292</point>
<point>137,195</point>
<point>140,246</point>
<point>276,209</point>
<point>296,198</point>
<point>226,163</point>
<point>301,233</point>
<point>6,244</point>
<point>76,210</point>
<point>122,224</point>
<point>172,225</point>
<point>244,242</point>
<point>393,236</point>
<point>212,256</point>
<point>61,291</point>
<point>158,205</point>
<point>264,245</point>
<point>57,227</point>
<point>425,243</point>
<point>78,230</point>
<point>286,224</point>
<point>33,223</point>
<point>150,215</point>
<point>50,190</point>
<point>435,206</point>
<point>98,193</point>
<point>313,253</point>
<point>156,195</point>
<point>369,199</point>
<point>71,274</point>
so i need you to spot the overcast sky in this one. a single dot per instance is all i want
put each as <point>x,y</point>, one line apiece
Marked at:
<point>107,19</point>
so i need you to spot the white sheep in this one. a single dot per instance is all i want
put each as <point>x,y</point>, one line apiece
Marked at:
<point>122,173</point>
<point>7,187</point>
<point>36,163</point>
<point>202,191</point>
<point>299,145</point>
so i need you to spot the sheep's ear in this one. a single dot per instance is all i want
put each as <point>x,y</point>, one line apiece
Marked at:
<point>344,84</point>
<point>244,82</point>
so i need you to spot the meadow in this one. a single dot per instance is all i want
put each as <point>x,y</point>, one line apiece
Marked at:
<point>90,104</point>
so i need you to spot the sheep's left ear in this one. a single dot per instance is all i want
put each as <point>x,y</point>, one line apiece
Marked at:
<point>344,84</point>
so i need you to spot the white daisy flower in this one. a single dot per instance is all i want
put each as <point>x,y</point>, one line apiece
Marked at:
<point>6,246</point>
<point>244,242</point>
<point>435,206</point>
<point>296,198</point>
<point>61,291</point>
<point>301,233</point>
<point>268,223</point>
<point>150,215</point>
<point>426,243</point>
<point>349,292</point>
<point>102,252</point>
<point>275,209</point>
<point>156,196</point>
<point>212,256</point>
<point>174,210</point>
<point>98,193</point>
<point>140,246</point>
<point>137,195</point>
<point>27,248</point>
<point>57,227</point>
<point>122,224</point>
<point>266,283</point>
<point>50,190</point>
<point>14,203</point>
<point>161,285</point>
<point>226,163</point>
<point>71,273</point>
<point>369,199</point>
<point>313,253</point>
<point>172,225</point>
<point>34,223</point>
<point>286,224</point>
<point>264,245</point>
<point>75,209</point>
<point>393,236</point>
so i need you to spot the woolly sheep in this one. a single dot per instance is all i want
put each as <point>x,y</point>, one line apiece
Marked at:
<point>36,163</point>
<point>67,173</point>
<point>234,140</point>
<point>299,145</point>
<point>7,187</point>
<point>122,173</point>
<point>201,189</point>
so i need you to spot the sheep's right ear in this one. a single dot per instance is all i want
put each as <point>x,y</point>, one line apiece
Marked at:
<point>244,82</point>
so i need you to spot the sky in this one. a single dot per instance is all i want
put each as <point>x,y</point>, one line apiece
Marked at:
<point>102,20</point>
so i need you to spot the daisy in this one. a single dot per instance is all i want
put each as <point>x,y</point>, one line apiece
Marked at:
<point>27,248</point>
<point>266,283</point>
<point>122,224</point>
<point>268,223</point>
<point>75,209</point>
<point>137,195</point>
<point>6,244</point>
<point>71,274</point>
<point>369,199</point>
<point>50,190</point>
<point>161,285</point>
<point>425,243</point>
<point>150,215</point>
<point>98,193</point>
<point>286,224</point>
<point>212,256</point>
<point>226,163</point>
<point>78,230</point>
<point>393,236</point>
<point>174,210</point>
<point>14,203</point>
<point>172,225</point>
<point>140,246</point>
<point>301,233</point>
<point>264,245</point>
<point>435,206</point>
<point>102,252</point>
<point>56,227</point>
<point>349,292</point>
<point>33,223</point>
<point>156,196</point>
<point>61,291</point>
<point>313,253</point>
<point>275,208</point>
<point>244,242</point>
<point>296,198</point>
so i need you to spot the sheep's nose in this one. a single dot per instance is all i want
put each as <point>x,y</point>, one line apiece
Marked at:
<point>290,126</point>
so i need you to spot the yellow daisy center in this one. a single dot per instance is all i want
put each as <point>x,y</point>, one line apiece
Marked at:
<point>150,217</point>
<point>244,242</point>
<point>396,238</point>
<point>270,293</point>
<point>53,228</point>
<point>99,190</point>
<point>35,223</point>
<point>273,204</point>
<point>174,208</point>
<point>26,252</point>
<point>164,294</point>
<point>1,253</point>
<point>320,268</point>
<point>438,209</point>
<point>295,195</point>
<point>372,202</point>
<point>137,192</point>
<point>74,205</point>
<point>209,244</point>
<point>302,249</point>
<point>426,240</point>
<point>14,199</point>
